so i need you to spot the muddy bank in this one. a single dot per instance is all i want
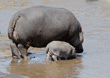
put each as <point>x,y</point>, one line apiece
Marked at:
<point>37,67</point>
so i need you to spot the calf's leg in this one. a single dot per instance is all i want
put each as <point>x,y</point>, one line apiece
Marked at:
<point>54,57</point>
<point>47,56</point>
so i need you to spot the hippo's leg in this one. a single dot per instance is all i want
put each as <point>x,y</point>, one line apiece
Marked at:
<point>23,51</point>
<point>14,49</point>
<point>54,57</point>
<point>47,56</point>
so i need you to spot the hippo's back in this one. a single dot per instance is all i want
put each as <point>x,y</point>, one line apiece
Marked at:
<point>39,25</point>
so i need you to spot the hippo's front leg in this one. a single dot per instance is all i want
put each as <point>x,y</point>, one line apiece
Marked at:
<point>23,51</point>
<point>14,49</point>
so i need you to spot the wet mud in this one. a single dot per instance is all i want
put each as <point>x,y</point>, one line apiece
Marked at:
<point>94,62</point>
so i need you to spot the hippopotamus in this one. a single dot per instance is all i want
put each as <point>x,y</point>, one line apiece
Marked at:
<point>36,26</point>
<point>60,49</point>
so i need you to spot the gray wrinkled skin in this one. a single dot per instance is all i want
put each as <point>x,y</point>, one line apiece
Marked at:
<point>60,49</point>
<point>36,26</point>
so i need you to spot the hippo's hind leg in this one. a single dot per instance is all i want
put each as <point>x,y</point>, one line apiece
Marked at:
<point>47,56</point>
<point>54,57</point>
<point>23,51</point>
<point>14,49</point>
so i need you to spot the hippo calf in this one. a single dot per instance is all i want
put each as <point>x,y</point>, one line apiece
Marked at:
<point>36,26</point>
<point>60,49</point>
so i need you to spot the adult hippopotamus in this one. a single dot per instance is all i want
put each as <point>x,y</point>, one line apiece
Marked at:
<point>60,49</point>
<point>36,26</point>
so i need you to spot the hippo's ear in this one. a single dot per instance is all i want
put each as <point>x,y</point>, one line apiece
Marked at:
<point>82,27</point>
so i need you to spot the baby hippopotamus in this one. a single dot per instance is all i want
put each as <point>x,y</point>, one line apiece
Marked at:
<point>60,49</point>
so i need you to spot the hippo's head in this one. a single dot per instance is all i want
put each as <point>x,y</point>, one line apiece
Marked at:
<point>73,55</point>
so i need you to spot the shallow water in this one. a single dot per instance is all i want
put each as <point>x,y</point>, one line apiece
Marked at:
<point>37,67</point>
<point>94,16</point>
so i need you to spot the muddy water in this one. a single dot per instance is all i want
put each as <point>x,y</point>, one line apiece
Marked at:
<point>94,16</point>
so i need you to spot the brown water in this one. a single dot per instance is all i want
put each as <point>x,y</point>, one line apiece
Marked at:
<point>94,16</point>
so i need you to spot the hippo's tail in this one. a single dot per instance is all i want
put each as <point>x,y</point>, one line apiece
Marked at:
<point>12,25</point>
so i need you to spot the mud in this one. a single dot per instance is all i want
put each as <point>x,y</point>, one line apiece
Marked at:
<point>92,63</point>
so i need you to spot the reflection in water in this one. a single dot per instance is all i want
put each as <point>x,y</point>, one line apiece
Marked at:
<point>62,69</point>
<point>59,69</point>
